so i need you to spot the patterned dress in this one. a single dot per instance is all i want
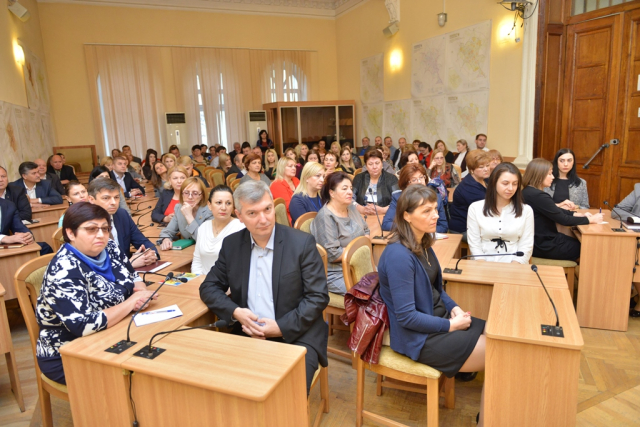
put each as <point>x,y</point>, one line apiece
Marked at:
<point>72,301</point>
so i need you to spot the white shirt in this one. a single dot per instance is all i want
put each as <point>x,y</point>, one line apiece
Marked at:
<point>459,161</point>
<point>517,233</point>
<point>31,193</point>
<point>215,162</point>
<point>120,180</point>
<point>114,232</point>
<point>208,247</point>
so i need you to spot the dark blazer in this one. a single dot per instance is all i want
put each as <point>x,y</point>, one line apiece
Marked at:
<point>387,184</point>
<point>300,291</point>
<point>66,173</point>
<point>301,204</point>
<point>11,222</point>
<point>44,192</point>
<point>129,234</point>
<point>450,158</point>
<point>163,201</point>
<point>406,290</point>
<point>18,195</point>
<point>55,183</point>
<point>390,216</point>
<point>233,170</point>
<point>468,191</point>
<point>129,183</point>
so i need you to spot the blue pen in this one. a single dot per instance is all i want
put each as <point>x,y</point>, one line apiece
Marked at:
<point>158,312</point>
<point>600,210</point>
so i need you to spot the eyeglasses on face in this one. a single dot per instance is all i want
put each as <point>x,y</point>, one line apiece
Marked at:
<point>418,179</point>
<point>191,193</point>
<point>93,230</point>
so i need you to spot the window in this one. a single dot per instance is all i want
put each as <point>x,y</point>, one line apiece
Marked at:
<point>583,6</point>
<point>203,121</point>
<point>219,116</point>
<point>290,87</point>
<point>104,122</point>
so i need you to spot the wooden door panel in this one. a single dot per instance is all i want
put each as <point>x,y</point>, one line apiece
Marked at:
<point>593,82</point>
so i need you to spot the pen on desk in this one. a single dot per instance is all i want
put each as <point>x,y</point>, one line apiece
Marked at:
<point>158,312</point>
<point>600,210</point>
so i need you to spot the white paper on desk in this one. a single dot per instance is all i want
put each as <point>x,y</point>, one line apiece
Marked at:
<point>148,317</point>
<point>441,236</point>
<point>160,267</point>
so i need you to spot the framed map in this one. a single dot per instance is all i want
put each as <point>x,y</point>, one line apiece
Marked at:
<point>372,120</point>
<point>466,116</point>
<point>397,119</point>
<point>468,58</point>
<point>428,72</point>
<point>372,79</point>
<point>428,116</point>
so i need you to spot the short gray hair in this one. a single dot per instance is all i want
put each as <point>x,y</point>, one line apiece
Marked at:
<point>250,192</point>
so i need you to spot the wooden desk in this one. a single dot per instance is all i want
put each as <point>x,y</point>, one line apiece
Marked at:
<point>10,261</point>
<point>50,212</point>
<point>6,348</point>
<point>472,290</point>
<point>531,379</point>
<point>215,379</point>
<point>43,230</point>
<point>143,202</point>
<point>445,249</point>
<point>607,259</point>
<point>191,289</point>
<point>85,358</point>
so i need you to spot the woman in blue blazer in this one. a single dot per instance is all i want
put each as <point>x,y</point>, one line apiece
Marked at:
<point>425,324</point>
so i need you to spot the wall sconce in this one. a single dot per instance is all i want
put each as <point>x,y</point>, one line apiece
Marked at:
<point>395,60</point>
<point>18,53</point>
<point>442,17</point>
<point>19,10</point>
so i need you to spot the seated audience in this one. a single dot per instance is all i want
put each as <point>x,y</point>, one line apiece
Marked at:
<point>548,241</point>
<point>158,177</point>
<point>568,190</point>
<point>212,232</point>
<point>424,154</point>
<point>170,196</point>
<point>120,175</point>
<point>481,142</point>
<point>44,175</point>
<point>471,189</point>
<point>413,173</point>
<point>631,204</point>
<point>246,148</point>
<point>196,155</point>
<point>409,156</point>
<point>169,160</point>
<point>331,164</point>
<point>373,186</point>
<point>149,161</point>
<point>501,223</point>
<point>58,168</point>
<point>187,163</point>
<point>237,149</point>
<point>496,159</point>
<point>302,151</point>
<point>335,148</point>
<point>286,182</point>
<point>365,146</point>
<point>124,231</point>
<point>175,151</point>
<point>107,162</point>
<point>189,214</point>
<point>258,152</point>
<point>336,225</point>
<point>425,324</point>
<point>103,172</point>
<point>263,141</point>
<point>134,169</point>
<point>270,163</point>
<point>313,156</point>
<point>40,192</point>
<point>225,164</point>
<point>306,198</point>
<point>291,310</point>
<point>75,193</point>
<point>12,230</point>
<point>16,194</point>
<point>239,165</point>
<point>88,286</point>
<point>215,157</point>
<point>253,165</point>
<point>461,156</point>
<point>449,157</point>
<point>126,151</point>
<point>439,168</point>
<point>386,160</point>
<point>346,160</point>
<point>115,152</point>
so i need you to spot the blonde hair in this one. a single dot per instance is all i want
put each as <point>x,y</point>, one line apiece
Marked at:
<point>197,182</point>
<point>433,155</point>
<point>350,165</point>
<point>169,156</point>
<point>463,142</point>
<point>335,144</point>
<point>136,166</point>
<point>266,162</point>
<point>309,170</point>
<point>222,161</point>
<point>185,160</point>
<point>108,160</point>
<point>282,163</point>
<point>179,169</point>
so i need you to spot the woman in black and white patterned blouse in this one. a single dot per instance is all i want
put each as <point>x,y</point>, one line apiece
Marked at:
<point>89,286</point>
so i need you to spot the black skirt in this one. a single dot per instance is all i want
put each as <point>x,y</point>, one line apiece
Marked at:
<point>448,351</point>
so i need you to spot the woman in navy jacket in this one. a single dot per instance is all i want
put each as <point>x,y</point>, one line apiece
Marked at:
<point>425,324</point>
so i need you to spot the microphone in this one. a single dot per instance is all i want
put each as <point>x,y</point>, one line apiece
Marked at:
<point>375,206</point>
<point>633,219</point>
<point>182,279</point>
<point>152,352</point>
<point>140,216</point>
<point>620,229</point>
<point>457,271</point>
<point>123,345</point>
<point>552,331</point>
<point>138,207</point>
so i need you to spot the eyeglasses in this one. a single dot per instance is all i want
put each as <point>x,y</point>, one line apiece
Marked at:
<point>418,179</point>
<point>191,193</point>
<point>92,231</point>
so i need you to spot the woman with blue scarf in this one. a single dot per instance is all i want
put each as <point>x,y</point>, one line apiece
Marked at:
<point>89,286</point>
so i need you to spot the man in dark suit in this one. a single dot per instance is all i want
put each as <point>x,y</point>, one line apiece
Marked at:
<point>57,167</point>
<point>395,159</point>
<point>276,278</point>
<point>10,223</point>
<point>237,149</point>
<point>40,192</point>
<point>15,194</point>
<point>235,169</point>
<point>126,150</point>
<point>46,176</point>
<point>106,193</point>
<point>120,175</point>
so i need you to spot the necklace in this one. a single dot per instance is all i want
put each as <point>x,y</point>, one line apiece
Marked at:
<point>426,256</point>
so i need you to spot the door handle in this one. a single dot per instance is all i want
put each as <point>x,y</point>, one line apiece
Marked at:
<point>602,147</point>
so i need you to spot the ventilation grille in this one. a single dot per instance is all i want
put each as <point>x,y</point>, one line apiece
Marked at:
<point>257,116</point>
<point>173,118</point>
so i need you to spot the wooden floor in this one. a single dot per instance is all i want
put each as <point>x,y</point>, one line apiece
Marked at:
<point>609,387</point>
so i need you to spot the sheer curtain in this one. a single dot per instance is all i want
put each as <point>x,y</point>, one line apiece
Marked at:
<point>132,95</point>
<point>280,75</point>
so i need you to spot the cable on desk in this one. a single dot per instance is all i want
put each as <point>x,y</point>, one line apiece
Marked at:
<point>133,404</point>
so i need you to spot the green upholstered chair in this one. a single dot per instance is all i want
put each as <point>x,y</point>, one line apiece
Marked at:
<point>304,221</point>
<point>281,212</point>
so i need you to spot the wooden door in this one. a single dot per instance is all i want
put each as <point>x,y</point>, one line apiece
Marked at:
<point>592,77</point>
<point>625,165</point>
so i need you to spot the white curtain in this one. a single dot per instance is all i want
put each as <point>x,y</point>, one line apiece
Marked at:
<point>278,75</point>
<point>132,97</point>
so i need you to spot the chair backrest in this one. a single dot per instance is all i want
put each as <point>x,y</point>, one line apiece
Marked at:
<point>217,176</point>
<point>208,168</point>
<point>230,179</point>
<point>28,282</point>
<point>325,258</point>
<point>304,222</point>
<point>200,168</point>
<point>57,239</point>
<point>357,171</point>
<point>357,261</point>
<point>235,183</point>
<point>281,212</point>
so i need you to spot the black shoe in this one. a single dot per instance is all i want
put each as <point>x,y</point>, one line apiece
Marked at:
<point>634,313</point>
<point>465,377</point>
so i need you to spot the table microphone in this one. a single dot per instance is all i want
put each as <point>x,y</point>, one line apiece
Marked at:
<point>552,331</point>
<point>123,345</point>
<point>456,271</point>
<point>138,220</point>
<point>620,229</point>
<point>153,352</point>
<point>375,206</point>
<point>182,279</point>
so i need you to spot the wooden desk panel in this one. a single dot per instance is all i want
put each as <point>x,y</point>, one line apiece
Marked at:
<point>10,261</point>
<point>191,289</point>
<point>530,379</point>
<point>50,212</point>
<point>6,348</point>
<point>445,249</point>
<point>43,231</point>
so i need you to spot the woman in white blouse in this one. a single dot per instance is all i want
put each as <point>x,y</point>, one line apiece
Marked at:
<point>501,223</point>
<point>211,233</point>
